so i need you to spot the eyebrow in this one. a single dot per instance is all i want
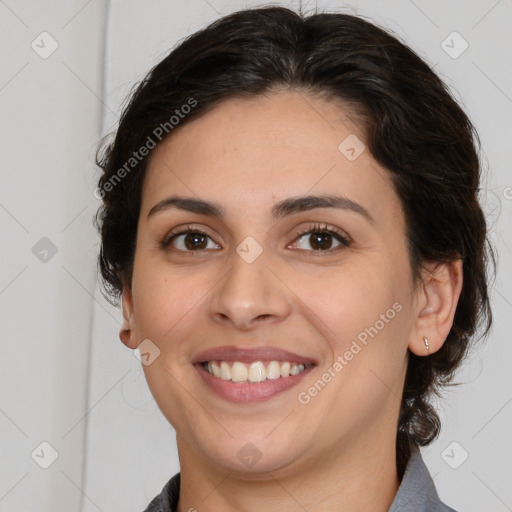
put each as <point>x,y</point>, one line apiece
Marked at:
<point>279,210</point>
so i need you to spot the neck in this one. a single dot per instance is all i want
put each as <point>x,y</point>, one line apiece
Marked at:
<point>352,477</point>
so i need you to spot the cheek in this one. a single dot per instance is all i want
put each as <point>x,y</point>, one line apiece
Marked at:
<point>368,321</point>
<point>166,303</point>
<point>351,300</point>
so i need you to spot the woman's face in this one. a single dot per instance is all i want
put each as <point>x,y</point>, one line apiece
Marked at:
<point>330,285</point>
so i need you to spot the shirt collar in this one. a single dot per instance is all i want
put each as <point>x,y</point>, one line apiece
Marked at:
<point>417,491</point>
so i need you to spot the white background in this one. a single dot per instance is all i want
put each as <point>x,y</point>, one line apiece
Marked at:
<point>65,378</point>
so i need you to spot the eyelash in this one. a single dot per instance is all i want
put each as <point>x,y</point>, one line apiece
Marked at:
<point>315,228</point>
<point>174,234</point>
<point>324,229</point>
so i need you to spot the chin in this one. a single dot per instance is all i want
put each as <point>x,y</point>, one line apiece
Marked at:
<point>252,457</point>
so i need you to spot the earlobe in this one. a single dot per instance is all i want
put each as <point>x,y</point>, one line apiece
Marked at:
<point>438,298</point>
<point>127,331</point>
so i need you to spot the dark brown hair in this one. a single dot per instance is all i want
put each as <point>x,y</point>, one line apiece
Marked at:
<point>413,127</point>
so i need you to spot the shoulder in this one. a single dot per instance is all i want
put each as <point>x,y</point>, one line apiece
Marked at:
<point>417,491</point>
<point>167,500</point>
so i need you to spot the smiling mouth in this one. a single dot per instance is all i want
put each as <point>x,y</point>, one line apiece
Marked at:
<point>255,372</point>
<point>248,375</point>
<point>252,382</point>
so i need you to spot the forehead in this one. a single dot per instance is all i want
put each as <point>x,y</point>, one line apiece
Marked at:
<point>267,148</point>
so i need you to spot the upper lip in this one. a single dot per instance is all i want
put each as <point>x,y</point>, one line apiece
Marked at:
<point>249,355</point>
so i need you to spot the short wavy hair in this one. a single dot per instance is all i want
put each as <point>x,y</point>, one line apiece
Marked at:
<point>413,128</point>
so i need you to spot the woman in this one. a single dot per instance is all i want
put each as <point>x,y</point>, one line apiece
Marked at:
<point>290,217</point>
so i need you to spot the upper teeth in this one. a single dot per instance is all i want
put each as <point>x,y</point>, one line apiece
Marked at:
<point>254,372</point>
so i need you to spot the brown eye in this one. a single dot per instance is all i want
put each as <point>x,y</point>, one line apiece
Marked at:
<point>321,239</point>
<point>194,241</point>
<point>189,241</point>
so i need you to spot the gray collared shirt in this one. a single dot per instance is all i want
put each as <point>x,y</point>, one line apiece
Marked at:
<point>417,492</point>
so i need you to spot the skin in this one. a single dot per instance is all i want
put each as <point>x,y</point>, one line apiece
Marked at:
<point>336,452</point>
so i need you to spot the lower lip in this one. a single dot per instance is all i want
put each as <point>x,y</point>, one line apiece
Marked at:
<point>249,392</point>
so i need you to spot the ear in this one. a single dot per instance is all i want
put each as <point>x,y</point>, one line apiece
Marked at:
<point>438,295</point>
<point>127,331</point>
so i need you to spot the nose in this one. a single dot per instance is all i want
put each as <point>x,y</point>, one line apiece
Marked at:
<point>250,295</point>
